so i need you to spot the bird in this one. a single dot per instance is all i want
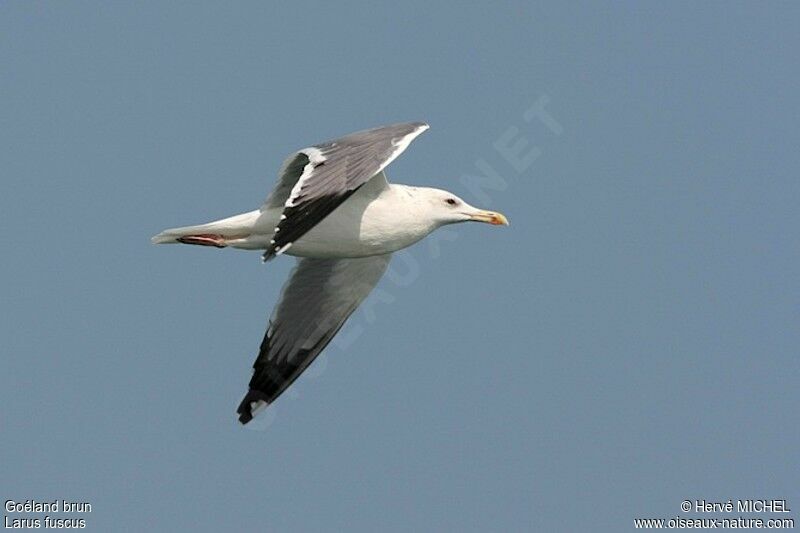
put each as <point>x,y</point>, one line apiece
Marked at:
<point>335,211</point>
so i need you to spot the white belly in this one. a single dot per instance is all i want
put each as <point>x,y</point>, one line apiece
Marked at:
<point>370,222</point>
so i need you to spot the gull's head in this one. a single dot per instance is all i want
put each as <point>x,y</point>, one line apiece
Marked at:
<point>448,208</point>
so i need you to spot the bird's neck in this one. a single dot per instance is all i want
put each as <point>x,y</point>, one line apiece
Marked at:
<point>401,212</point>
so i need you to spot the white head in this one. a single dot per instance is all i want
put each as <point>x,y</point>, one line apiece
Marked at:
<point>447,208</point>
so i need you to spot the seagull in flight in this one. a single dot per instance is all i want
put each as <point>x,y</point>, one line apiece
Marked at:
<point>334,210</point>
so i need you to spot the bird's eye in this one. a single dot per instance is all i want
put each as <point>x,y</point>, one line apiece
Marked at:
<point>451,201</point>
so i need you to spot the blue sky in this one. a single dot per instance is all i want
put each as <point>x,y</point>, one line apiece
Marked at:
<point>630,341</point>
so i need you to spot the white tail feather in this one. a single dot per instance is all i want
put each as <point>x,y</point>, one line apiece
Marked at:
<point>231,226</point>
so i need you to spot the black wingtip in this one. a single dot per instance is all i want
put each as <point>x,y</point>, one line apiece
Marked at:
<point>245,410</point>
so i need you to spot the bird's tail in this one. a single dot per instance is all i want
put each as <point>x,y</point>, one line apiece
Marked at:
<point>214,232</point>
<point>168,236</point>
<point>175,235</point>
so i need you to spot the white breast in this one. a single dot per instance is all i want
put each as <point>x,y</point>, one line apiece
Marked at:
<point>375,220</point>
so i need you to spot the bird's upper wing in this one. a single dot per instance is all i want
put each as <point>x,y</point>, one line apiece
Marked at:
<point>316,180</point>
<point>315,302</point>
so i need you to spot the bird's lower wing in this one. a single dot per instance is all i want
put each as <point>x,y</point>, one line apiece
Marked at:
<point>314,304</point>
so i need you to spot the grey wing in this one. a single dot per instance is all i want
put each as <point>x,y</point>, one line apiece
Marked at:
<point>316,180</point>
<point>290,172</point>
<point>315,302</point>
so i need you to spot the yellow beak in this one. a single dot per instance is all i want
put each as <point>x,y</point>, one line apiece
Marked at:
<point>490,217</point>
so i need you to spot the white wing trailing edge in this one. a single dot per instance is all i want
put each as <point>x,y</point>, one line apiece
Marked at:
<point>316,180</point>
